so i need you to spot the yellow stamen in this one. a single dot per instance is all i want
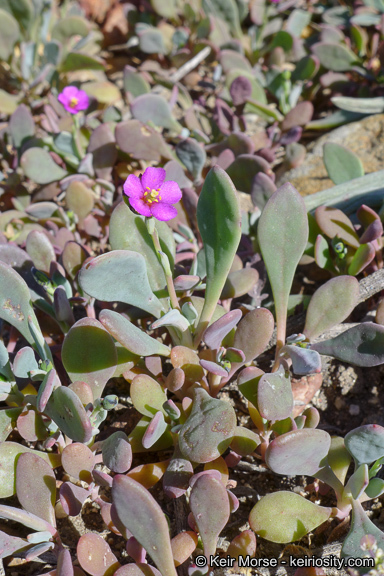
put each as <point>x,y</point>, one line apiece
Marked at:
<point>151,195</point>
<point>73,102</point>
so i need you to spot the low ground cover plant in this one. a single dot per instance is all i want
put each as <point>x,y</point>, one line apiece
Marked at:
<point>127,256</point>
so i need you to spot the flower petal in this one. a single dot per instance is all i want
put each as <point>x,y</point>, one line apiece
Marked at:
<point>140,206</point>
<point>70,92</point>
<point>163,211</point>
<point>170,192</point>
<point>82,100</point>
<point>153,178</point>
<point>132,187</point>
<point>63,99</point>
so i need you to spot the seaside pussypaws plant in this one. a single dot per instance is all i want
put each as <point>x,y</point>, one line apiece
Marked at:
<point>146,253</point>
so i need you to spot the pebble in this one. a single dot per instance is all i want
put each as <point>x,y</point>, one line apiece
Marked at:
<point>354,409</point>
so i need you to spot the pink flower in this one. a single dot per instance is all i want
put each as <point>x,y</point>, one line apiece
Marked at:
<point>151,196</point>
<point>73,99</point>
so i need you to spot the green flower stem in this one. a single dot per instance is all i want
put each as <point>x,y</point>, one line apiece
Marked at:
<point>76,137</point>
<point>164,263</point>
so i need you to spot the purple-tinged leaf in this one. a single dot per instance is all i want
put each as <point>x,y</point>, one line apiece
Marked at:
<point>137,570</point>
<point>367,215</point>
<point>361,526</point>
<point>135,550</point>
<point>9,454</point>
<point>175,379</point>
<point>37,550</point>
<point>209,429</point>
<point>177,476</point>
<point>78,461</point>
<point>213,473</point>
<point>26,518</point>
<point>300,452</point>
<point>64,563</point>
<point>213,368</point>
<point>244,544</point>
<point>31,427</point>
<point>102,145</point>
<point>95,555</point>
<point>239,282</point>
<point>254,333</point>
<point>284,517</point>
<point>366,443</point>
<point>240,90</point>
<point>300,115</point>
<point>186,282</point>
<point>217,331</point>
<point>141,514</point>
<point>72,498</point>
<point>40,249</point>
<point>83,391</point>
<point>285,219</point>
<point>362,257</point>
<point>89,354</point>
<point>154,431</point>
<point>48,385</point>
<point>67,411</point>
<point>304,360</point>
<point>333,222</point>
<point>141,142</point>
<point>11,544</point>
<point>343,293</point>
<point>262,189</point>
<point>102,478</point>
<point>183,545</point>
<point>243,170</point>
<point>209,505</point>
<point>274,396</point>
<point>117,452</point>
<point>39,166</point>
<point>362,345</point>
<point>373,232</point>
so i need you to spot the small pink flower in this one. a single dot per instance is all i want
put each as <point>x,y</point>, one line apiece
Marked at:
<point>73,99</point>
<point>151,196</point>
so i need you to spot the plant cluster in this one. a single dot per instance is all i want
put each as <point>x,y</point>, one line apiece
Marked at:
<point>96,286</point>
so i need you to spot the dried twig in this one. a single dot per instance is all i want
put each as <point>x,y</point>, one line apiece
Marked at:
<point>190,65</point>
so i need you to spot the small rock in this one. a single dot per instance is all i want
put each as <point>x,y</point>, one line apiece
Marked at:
<point>354,409</point>
<point>339,403</point>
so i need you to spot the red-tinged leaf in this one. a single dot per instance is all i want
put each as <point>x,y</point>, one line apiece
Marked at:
<point>300,452</point>
<point>95,555</point>
<point>36,487</point>
<point>140,513</point>
<point>78,461</point>
<point>210,507</point>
